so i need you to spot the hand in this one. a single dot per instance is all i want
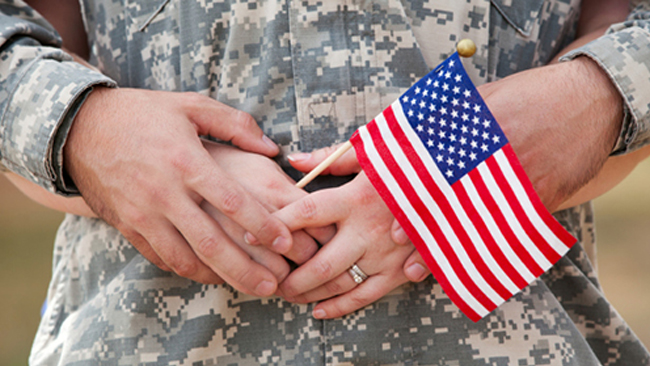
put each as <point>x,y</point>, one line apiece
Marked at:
<point>138,161</point>
<point>363,237</point>
<point>266,182</point>
<point>561,135</point>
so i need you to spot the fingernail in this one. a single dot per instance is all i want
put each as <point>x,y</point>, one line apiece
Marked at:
<point>298,157</point>
<point>280,245</point>
<point>269,142</point>
<point>265,288</point>
<point>400,236</point>
<point>416,272</point>
<point>250,239</point>
<point>319,313</point>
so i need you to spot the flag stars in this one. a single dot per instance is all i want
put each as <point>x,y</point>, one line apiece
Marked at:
<point>462,153</point>
<point>442,122</point>
<point>456,90</point>
<point>434,95</point>
<point>429,81</point>
<point>476,120</point>
<point>496,139</point>
<point>422,104</point>
<point>450,161</point>
<point>449,174</point>
<point>443,111</point>
<point>430,131</point>
<point>452,138</point>
<point>445,87</point>
<point>442,134</point>
<point>436,84</point>
<point>440,158</point>
<point>443,99</point>
<point>472,156</point>
<point>420,116</point>
<point>405,99</point>
<point>474,132</point>
<point>430,143</point>
<point>461,164</point>
<point>463,141</point>
<point>484,147</point>
<point>464,129</point>
<point>417,90</point>
<point>419,128</point>
<point>473,144</point>
<point>465,118</point>
<point>454,125</point>
<point>455,102</point>
<point>486,136</point>
<point>467,94</point>
<point>477,108</point>
<point>413,101</point>
<point>441,146</point>
<point>431,119</point>
<point>465,105</point>
<point>448,75</point>
<point>451,149</point>
<point>454,114</point>
<point>425,92</point>
<point>410,113</point>
<point>486,123</point>
<point>432,107</point>
<point>458,78</point>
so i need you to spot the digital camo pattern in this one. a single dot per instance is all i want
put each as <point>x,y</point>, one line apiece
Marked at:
<point>38,86</point>
<point>630,70</point>
<point>310,72</point>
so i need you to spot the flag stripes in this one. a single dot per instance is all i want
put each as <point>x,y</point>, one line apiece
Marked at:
<point>485,237</point>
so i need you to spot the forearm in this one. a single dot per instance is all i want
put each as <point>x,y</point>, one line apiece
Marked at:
<point>73,205</point>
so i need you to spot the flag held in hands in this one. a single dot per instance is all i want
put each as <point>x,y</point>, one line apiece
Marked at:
<point>445,169</point>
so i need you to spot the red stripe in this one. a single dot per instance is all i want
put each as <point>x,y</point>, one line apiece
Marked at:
<point>444,204</point>
<point>519,212</point>
<point>488,239</point>
<point>412,233</point>
<point>500,220</point>
<point>426,216</point>
<point>548,219</point>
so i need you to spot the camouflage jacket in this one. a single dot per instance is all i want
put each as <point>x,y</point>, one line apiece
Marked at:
<point>310,72</point>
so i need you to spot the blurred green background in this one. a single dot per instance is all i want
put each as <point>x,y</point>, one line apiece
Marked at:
<point>27,231</point>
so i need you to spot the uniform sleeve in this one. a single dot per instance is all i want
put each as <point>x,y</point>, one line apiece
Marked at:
<point>41,89</point>
<point>624,53</point>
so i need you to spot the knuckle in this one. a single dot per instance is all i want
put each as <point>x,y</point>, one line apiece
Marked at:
<point>183,161</point>
<point>231,201</point>
<point>323,270</point>
<point>209,247</point>
<point>308,208</point>
<point>185,268</point>
<point>192,99</point>
<point>333,287</point>
<point>243,120</point>
<point>358,299</point>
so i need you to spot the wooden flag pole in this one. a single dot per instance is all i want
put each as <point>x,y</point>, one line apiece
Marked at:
<point>465,48</point>
<point>324,164</point>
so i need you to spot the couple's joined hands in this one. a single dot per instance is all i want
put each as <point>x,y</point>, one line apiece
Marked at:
<point>193,207</point>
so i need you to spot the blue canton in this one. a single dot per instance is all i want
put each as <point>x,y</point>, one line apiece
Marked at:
<point>452,120</point>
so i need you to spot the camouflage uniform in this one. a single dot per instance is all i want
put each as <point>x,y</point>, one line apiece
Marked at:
<point>310,72</point>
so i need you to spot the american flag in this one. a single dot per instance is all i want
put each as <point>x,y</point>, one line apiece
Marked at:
<point>442,164</point>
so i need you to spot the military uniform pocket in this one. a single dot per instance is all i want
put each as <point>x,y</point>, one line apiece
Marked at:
<point>522,15</point>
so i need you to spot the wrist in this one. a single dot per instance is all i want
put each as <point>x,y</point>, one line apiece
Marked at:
<point>598,91</point>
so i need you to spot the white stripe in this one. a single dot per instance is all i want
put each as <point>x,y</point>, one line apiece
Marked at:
<point>449,193</point>
<point>492,226</point>
<point>421,228</point>
<point>527,205</point>
<point>514,224</point>
<point>434,209</point>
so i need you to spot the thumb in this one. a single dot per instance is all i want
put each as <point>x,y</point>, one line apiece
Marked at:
<point>415,269</point>
<point>345,165</point>
<point>216,119</point>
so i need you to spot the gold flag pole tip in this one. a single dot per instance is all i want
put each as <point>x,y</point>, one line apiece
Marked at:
<point>466,48</point>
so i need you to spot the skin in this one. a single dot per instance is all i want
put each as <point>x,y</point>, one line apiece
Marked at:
<point>325,276</point>
<point>561,135</point>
